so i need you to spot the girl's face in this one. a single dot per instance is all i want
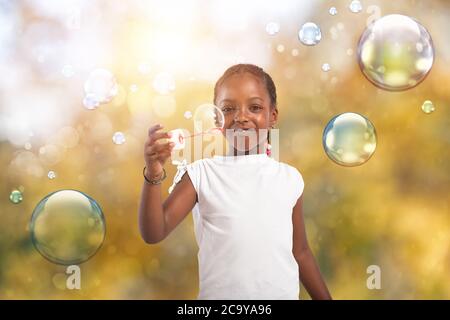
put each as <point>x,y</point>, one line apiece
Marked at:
<point>246,106</point>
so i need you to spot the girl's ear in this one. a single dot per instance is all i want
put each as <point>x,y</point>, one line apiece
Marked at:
<point>273,116</point>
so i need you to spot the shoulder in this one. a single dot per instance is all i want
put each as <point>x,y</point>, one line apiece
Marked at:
<point>290,170</point>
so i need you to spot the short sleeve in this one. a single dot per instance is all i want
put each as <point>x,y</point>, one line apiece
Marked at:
<point>192,171</point>
<point>299,184</point>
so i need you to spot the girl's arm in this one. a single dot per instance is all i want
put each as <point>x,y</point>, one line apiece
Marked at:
<point>309,271</point>
<point>158,219</point>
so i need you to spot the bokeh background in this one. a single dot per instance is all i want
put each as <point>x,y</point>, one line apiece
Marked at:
<point>393,211</point>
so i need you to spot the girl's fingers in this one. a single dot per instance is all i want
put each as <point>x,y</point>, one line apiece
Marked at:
<point>158,148</point>
<point>154,128</point>
<point>158,135</point>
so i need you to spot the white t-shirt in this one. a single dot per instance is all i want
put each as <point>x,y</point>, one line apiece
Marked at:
<point>243,226</point>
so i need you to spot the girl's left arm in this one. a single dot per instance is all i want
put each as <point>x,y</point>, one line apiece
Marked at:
<point>308,269</point>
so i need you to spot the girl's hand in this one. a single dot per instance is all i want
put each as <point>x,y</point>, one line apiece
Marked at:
<point>156,154</point>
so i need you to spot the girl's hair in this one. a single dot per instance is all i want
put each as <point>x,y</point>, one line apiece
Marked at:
<point>256,71</point>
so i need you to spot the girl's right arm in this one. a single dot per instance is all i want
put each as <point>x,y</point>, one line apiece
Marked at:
<point>158,219</point>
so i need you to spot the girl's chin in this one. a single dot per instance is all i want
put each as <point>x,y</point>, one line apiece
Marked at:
<point>245,145</point>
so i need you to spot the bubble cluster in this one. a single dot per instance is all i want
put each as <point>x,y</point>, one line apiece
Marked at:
<point>349,139</point>
<point>310,34</point>
<point>395,52</point>
<point>67,227</point>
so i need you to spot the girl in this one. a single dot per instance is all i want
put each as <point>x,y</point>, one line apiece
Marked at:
<point>247,207</point>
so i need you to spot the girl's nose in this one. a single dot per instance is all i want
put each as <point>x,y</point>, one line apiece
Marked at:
<point>240,115</point>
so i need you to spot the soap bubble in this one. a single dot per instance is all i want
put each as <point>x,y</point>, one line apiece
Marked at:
<point>349,139</point>
<point>91,102</point>
<point>355,6</point>
<point>272,28</point>
<point>326,67</point>
<point>68,71</point>
<point>188,115</point>
<point>333,11</point>
<point>67,227</point>
<point>51,175</point>
<point>310,34</point>
<point>118,138</point>
<point>208,118</point>
<point>395,52</point>
<point>164,83</point>
<point>101,84</point>
<point>16,196</point>
<point>428,107</point>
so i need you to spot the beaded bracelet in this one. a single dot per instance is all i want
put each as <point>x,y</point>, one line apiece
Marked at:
<point>154,181</point>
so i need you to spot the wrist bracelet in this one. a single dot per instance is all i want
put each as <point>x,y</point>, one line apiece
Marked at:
<point>158,181</point>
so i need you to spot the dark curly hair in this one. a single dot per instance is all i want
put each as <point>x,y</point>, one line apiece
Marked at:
<point>256,71</point>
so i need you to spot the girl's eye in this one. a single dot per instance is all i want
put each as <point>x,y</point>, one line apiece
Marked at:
<point>256,108</point>
<point>227,109</point>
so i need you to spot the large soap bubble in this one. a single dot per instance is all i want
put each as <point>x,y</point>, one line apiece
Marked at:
<point>395,52</point>
<point>67,227</point>
<point>349,139</point>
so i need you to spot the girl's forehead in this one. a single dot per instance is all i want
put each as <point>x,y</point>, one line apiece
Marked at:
<point>243,85</point>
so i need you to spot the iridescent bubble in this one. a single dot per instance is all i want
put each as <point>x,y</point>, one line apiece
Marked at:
<point>310,34</point>
<point>333,11</point>
<point>134,88</point>
<point>16,196</point>
<point>164,83</point>
<point>272,28</point>
<point>51,175</point>
<point>326,67</point>
<point>67,227</point>
<point>208,118</point>
<point>188,115</point>
<point>118,138</point>
<point>102,85</point>
<point>428,107</point>
<point>355,6</point>
<point>395,52</point>
<point>91,102</point>
<point>349,139</point>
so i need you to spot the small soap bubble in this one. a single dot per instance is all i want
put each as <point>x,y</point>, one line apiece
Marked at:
<point>326,67</point>
<point>272,28</point>
<point>91,102</point>
<point>51,175</point>
<point>428,107</point>
<point>355,6</point>
<point>118,138</point>
<point>333,11</point>
<point>310,34</point>
<point>16,196</point>
<point>188,115</point>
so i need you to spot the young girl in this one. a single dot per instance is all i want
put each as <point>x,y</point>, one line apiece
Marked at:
<point>247,207</point>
